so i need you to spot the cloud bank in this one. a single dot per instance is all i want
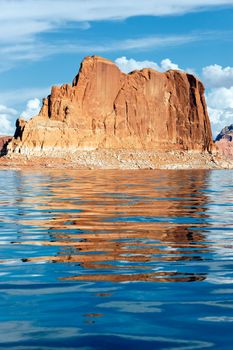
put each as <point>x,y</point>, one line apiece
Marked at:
<point>47,14</point>
<point>23,23</point>
<point>22,20</point>
<point>220,103</point>
<point>219,82</point>
<point>128,65</point>
<point>34,50</point>
<point>7,118</point>
<point>218,76</point>
<point>33,108</point>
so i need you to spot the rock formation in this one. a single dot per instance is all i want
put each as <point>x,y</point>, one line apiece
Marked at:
<point>107,109</point>
<point>226,134</point>
<point>224,141</point>
<point>4,140</point>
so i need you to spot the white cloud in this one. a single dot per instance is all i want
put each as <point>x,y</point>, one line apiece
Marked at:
<point>35,50</point>
<point>84,25</point>
<point>220,103</point>
<point>221,98</point>
<point>142,44</point>
<point>32,109</point>
<point>7,118</point>
<point>8,115</point>
<point>217,76</point>
<point>6,125</point>
<point>53,11</point>
<point>219,119</point>
<point>23,21</point>
<point>157,41</point>
<point>128,65</point>
<point>16,96</point>
<point>6,110</point>
<point>167,64</point>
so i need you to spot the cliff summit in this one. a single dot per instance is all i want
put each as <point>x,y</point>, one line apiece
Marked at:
<point>107,109</point>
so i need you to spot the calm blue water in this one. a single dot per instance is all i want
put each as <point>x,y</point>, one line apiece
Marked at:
<point>116,260</point>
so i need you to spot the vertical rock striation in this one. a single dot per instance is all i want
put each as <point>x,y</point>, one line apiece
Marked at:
<point>107,109</point>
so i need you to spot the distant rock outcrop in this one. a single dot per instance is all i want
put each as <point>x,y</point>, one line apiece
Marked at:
<point>226,134</point>
<point>224,141</point>
<point>4,140</point>
<point>107,109</point>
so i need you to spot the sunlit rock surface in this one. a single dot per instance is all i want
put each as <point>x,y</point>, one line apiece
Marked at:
<point>107,109</point>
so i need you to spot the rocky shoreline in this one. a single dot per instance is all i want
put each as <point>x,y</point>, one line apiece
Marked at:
<point>119,159</point>
<point>107,119</point>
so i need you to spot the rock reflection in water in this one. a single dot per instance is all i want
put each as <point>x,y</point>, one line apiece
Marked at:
<point>117,226</point>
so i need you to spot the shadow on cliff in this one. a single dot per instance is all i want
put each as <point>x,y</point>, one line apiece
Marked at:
<point>4,142</point>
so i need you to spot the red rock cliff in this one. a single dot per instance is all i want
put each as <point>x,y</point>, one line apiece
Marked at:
<point>105,108</point>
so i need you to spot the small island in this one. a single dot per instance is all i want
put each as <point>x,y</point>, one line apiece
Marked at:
<point>111,120</point>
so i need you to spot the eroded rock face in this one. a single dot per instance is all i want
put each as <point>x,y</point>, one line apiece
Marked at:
<point>4,140</point>
<point>107,109</point>
<point>224,141</point>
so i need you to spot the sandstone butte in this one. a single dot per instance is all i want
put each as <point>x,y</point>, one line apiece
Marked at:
<point>107,109</point>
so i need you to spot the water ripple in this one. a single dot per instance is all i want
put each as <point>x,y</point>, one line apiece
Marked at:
<point>134,238</point>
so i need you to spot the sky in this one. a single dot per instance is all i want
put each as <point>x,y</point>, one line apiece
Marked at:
<point>42,43</point>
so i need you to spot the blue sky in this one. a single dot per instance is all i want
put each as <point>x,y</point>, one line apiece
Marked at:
<point>42,43</point>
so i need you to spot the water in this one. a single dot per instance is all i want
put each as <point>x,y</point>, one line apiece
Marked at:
<point>116,259</point>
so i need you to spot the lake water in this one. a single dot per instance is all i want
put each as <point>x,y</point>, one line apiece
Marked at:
<point>116,260</point>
